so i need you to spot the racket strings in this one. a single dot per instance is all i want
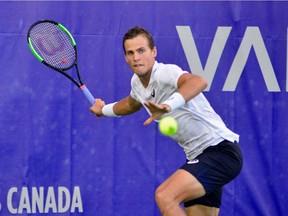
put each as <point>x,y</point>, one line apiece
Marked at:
<point>53,45</point>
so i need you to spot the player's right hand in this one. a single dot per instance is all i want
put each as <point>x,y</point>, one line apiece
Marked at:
<point>96,109</point>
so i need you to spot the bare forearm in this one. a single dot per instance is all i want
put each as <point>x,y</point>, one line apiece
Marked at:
<point>190,86</point>
<point>126,106</point>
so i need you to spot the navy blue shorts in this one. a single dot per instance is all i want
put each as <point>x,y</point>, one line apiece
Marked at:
<point>214,168</point>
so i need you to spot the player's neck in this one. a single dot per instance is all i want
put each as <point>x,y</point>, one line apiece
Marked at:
<point>145,79</point>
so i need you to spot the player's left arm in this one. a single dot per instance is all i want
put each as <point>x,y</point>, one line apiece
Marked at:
<point>189,86</point>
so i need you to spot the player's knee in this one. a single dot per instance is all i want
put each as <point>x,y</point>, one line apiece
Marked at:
<point>165,203</point>
<point>163,199</point>
<point>159,195</point>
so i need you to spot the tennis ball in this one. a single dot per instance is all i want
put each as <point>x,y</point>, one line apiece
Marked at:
<point>168,126</point>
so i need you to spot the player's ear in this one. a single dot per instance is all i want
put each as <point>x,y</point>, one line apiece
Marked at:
<point>126,58</point>
<point>154,51</point>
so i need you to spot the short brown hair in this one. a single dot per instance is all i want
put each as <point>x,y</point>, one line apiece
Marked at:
<point>138,30</point>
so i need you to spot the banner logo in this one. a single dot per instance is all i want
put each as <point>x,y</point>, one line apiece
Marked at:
<point>37,200</point>
<point>252,39</point>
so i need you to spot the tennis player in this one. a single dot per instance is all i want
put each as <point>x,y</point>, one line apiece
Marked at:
<point>213,157</point>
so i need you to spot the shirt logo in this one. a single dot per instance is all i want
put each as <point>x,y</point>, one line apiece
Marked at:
<point>193,161</point>
<point>153,93</point>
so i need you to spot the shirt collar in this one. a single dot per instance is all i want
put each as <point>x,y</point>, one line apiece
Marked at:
<point>155,66</point>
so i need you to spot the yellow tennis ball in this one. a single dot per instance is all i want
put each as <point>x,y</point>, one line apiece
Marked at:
<point>168,126</point>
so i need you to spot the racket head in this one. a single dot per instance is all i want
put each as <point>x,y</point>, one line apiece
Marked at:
<point>52,44</point>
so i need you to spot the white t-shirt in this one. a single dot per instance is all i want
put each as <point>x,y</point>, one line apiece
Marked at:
<point>198,125</point>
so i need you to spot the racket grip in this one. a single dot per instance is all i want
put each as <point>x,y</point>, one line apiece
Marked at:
<point>87,94</point>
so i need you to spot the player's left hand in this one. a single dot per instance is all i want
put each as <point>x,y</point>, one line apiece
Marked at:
<point>156,111</point>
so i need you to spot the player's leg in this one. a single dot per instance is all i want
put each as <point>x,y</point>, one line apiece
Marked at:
<point>208,205</point>
<point>178,187</point>
<point>221,163</point>
<point>201,210</point>
<point>214,168</point>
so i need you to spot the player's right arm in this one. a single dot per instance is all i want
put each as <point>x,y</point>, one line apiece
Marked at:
<point>125,106</point>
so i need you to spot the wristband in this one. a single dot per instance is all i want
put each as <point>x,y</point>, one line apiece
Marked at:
<point>175,101</point>
<point>107,110</point>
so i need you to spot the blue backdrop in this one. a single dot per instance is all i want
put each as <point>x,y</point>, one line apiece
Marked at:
<point>56,158</point>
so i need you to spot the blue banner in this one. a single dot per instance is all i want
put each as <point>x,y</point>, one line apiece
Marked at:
<point>57,159</point>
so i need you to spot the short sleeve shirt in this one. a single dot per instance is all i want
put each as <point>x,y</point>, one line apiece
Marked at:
<point>199,126</point>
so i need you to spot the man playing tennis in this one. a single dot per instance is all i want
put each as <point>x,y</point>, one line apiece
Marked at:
<point>213,157</point>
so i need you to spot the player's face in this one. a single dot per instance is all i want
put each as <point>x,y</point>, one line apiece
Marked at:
<point>139,56</point>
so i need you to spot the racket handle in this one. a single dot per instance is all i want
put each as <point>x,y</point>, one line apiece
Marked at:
<point>87,94</point>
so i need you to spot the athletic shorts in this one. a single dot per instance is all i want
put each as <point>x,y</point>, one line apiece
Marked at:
<point>214,168</point>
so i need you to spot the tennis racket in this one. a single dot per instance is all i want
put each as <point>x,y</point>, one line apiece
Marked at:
<point>54,46</point>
